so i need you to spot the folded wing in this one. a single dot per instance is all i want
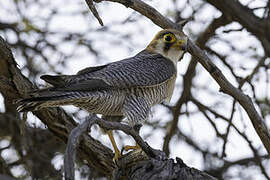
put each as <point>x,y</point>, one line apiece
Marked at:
<point>142,70</point>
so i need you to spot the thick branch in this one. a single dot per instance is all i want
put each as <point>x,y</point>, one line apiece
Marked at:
<point>70,154</point>
<point>136,164</point>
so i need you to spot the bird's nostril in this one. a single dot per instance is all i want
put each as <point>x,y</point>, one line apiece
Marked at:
<point>184,47</point>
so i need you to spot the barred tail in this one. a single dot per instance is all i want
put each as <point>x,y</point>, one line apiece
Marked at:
<point>37,103</point>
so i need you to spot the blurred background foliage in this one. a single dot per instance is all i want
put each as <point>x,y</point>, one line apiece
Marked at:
<point>204,127</point>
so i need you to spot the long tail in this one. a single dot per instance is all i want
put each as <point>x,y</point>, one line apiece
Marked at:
<point>62,92</point>
<point>37,103</point>
<point>48,97</point>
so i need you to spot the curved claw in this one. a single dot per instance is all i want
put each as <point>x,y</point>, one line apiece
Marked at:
<point>117,155</point>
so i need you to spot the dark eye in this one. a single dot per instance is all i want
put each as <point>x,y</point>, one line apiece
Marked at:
<point>169,38</point>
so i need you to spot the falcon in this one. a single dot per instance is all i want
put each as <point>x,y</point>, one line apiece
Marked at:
<point>129,87</point>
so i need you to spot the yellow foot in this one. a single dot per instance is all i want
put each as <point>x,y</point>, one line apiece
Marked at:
<point>127,148</point>
<point>117,153</point>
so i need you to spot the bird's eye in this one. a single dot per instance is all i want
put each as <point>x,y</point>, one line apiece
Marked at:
<point>169,38</point>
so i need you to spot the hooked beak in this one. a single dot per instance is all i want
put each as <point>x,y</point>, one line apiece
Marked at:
<point>184,47</point>
<point>182,43</point>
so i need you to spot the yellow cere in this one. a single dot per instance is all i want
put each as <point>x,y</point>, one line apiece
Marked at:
<point>181,41</point>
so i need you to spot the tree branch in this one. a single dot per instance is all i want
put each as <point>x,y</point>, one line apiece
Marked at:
<point>205,61</point>
<point>229,89</point>
<point>73,140</point>
<point>132,165</point>
<point>94,11</point>
<point>242,14</point>
<point>258,26</point>
<point>147,11</point>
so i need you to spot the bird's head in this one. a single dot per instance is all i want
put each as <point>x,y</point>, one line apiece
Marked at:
<point>170,43</point>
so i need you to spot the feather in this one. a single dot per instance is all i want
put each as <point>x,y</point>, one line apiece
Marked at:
<point>56,81</point>
<point>91,69</point>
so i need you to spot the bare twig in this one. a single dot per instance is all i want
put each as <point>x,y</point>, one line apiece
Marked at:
<point>254,71</point>
<point>245,16</point>
<point>228,130</point>
<point>93,9</point>
<point>147,11</point>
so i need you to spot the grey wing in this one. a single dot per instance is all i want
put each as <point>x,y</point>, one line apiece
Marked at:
<point>72,83</point>
<point>142,70</point>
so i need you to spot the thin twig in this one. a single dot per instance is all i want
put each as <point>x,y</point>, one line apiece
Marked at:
<point>93,9</point>
<point>228,130</point>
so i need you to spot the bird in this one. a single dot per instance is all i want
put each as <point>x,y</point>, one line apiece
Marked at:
<point>128,88</point>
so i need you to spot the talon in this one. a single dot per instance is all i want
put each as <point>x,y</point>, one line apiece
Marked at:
<point>117,155</point>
